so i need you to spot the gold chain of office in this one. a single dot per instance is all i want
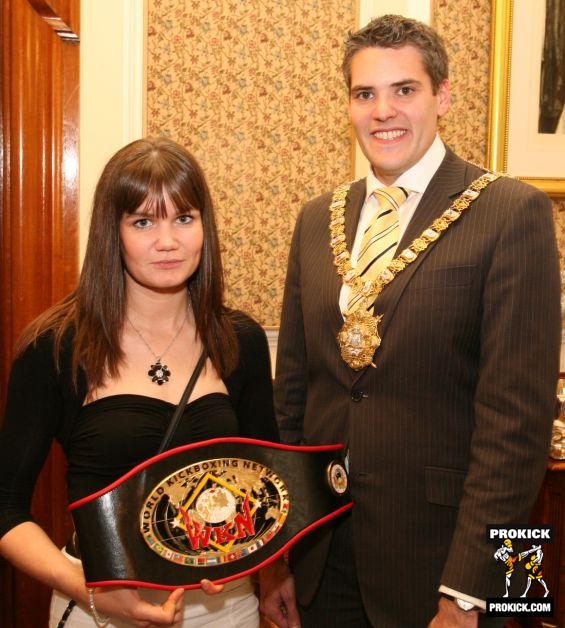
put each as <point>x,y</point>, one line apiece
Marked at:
<point>359,336</point>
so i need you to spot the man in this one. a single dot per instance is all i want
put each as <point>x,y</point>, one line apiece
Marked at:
<point>446,424</point>
<point>504,554</point>
<point>535,572</point>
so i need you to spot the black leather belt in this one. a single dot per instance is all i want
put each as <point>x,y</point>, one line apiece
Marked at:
<point>218,509</point>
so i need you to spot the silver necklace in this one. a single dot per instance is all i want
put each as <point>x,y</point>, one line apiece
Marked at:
<point>159,372</point>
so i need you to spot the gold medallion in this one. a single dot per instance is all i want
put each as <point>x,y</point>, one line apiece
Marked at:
<point>359,338</point>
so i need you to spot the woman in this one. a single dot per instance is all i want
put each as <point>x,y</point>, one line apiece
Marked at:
<point>103,370</point>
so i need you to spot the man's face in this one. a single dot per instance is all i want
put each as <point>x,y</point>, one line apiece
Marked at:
<point>393,109</point>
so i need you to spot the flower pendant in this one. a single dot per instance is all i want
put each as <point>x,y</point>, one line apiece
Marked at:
<point>159,373</point>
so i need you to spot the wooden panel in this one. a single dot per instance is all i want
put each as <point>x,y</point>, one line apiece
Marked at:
<point>61,15</point>
<point>39,109</point>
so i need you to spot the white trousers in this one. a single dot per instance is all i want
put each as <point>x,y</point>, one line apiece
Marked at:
<point>235,607</point>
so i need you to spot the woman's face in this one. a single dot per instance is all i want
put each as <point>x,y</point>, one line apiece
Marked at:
<point>161,254</point>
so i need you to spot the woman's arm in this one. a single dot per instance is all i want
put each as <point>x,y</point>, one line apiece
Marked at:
<point>23,545</point>
<point>33,417</point>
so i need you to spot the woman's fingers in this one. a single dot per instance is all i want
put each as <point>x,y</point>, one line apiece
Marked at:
<point>210,588</point>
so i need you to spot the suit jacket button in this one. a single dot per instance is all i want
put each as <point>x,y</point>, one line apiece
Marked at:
<point>357,395</point>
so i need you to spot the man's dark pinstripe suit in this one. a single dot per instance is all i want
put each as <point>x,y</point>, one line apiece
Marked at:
<point>450,431</point>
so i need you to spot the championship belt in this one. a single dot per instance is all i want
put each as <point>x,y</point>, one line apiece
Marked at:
<point>219,509</point>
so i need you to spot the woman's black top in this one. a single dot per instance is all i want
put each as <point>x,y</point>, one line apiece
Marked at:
<point>104,439</point>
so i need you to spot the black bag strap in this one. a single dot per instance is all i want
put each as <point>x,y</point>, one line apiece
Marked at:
<point>182,403</point>
<point>164,444</point>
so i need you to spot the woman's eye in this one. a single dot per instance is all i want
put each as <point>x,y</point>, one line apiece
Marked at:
<point>184,219</point>
<point>142,223</point>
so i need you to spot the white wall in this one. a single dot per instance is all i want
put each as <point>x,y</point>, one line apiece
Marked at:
<point>111,89</point>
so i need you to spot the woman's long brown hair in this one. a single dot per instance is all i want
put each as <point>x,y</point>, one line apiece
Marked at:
<point>95,311</point>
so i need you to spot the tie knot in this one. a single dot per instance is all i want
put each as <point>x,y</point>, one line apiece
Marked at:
<point>391,197</point>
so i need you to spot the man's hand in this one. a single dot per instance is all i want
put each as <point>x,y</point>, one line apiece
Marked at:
<point>449,615</point>
<point>277,598</point>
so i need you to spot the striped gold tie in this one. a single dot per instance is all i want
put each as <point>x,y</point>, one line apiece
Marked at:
<point>380,238</point>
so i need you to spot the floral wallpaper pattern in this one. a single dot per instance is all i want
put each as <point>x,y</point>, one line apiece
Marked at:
<point>466,32</point>
<point>559,216</point>
<point>253,88</point>
<point>465,27</point>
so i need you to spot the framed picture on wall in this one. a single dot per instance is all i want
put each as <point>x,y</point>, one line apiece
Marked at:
<point>526,118</point>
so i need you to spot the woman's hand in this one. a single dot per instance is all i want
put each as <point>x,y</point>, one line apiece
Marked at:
<point>210,588</point>
<point>127,605</point>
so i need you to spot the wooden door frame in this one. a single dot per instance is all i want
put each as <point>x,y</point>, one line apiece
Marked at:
<point>39,130</point>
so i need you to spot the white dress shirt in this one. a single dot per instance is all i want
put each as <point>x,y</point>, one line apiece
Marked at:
<point>416,180</point>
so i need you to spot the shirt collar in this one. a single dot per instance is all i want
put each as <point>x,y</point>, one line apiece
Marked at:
<point>419,175</point>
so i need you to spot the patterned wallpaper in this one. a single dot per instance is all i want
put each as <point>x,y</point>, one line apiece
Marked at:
<point>254,90</point>
<point>466,32</point>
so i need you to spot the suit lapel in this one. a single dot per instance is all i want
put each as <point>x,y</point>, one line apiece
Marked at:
<point>447,183</point>
<point>450,180</point>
